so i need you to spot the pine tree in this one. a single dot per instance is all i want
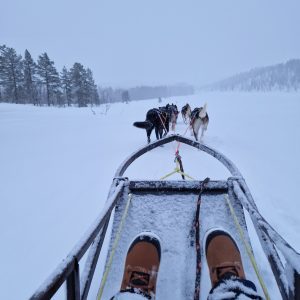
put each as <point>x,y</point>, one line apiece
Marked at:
<point>49,77</point>
<point>60,99</point>
<point>30,70</point>
<point>125,96</point>
<point>92,88</point>
<point>79,84</point>
<point>66,84</point>
<point>11,75</point>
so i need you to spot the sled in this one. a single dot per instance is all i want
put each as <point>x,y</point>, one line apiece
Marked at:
<point>167,209</point>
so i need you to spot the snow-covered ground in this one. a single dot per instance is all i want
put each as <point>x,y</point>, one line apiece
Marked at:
<point>56,167</point>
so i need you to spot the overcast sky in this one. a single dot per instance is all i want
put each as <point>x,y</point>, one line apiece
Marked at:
<point>133,42</point>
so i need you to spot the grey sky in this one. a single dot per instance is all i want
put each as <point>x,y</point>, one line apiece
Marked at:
<point>132,42</point>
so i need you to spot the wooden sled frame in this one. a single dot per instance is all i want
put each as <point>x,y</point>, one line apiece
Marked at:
<point>78,287</point>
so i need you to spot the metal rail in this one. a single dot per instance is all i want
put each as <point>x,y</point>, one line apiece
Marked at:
<point>269,238</point>
<point>175,137</point>
<point>68,270</point>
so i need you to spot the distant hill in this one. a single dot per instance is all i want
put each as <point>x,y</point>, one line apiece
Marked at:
<point>284,77</point>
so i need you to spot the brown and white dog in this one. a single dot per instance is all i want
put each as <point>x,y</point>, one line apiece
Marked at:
<point>186,112</point>
<point>199,119</point>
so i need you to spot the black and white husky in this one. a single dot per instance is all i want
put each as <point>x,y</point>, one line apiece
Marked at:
<point>173,114</point>
<point>157,119</point>
<point>199,119</point>
<point>186,112</point>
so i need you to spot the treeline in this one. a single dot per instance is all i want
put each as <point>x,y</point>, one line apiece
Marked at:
<point>22,80</point>
<point>25,81</point>
<point>282,77</point>
<point>144,92</point>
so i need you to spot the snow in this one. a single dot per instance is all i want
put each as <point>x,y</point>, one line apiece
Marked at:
<point>170,216</point>
<point>57,165</point>
<point>128,296</point>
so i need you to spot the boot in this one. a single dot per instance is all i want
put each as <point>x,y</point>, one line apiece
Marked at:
<point>223,257</point>
<point>141,266</point>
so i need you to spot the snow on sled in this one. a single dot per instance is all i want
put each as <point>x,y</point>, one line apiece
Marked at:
<point>180,215</point>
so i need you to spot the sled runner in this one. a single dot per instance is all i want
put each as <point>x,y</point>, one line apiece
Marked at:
<point>181,215</point>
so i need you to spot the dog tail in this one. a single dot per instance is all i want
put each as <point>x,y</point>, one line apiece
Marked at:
<point>143,125</point>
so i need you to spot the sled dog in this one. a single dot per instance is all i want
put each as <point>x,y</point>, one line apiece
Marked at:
<point>199,119</point>
<point>186,112</point>
<point>173,114</point>
<point>157,119</point>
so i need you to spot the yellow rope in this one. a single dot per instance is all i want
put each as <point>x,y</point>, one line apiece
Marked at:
<point>186,175</point>
<point>113,250</point>
<point>177,170</point>
<point>248,249</point>
<point>169,174</point>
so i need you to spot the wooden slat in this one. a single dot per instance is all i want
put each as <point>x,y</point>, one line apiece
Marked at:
<point>177,186</point>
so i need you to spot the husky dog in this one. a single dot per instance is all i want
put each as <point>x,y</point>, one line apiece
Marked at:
<point>186,112</point>
<point>156,118</point>
<point>199,119</point>
<point>173,114</point>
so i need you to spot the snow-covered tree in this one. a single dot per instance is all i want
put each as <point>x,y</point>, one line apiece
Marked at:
<point>79,85</point>
<point>92,88</point>
<point>11,73</point>
<point>49,77</point>
<point>106,95</point>
<point>30,79</point>
<point>66,84</point>
<point>125,96</point>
